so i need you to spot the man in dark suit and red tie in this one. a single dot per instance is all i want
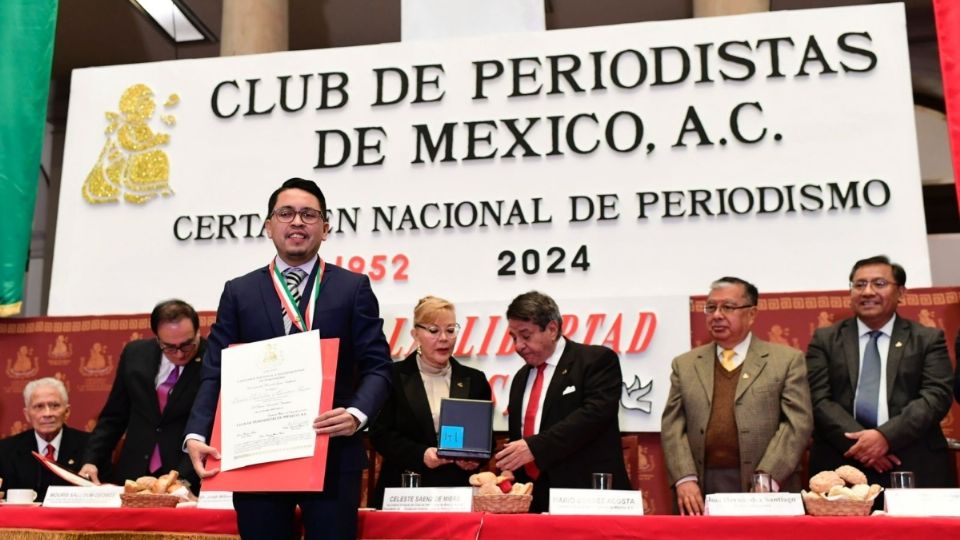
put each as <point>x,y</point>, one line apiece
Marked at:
<point>563,405</point>
<point>339,304</point>
<point>880,385</point>
<point>156,383</point>
<point>46,408</point>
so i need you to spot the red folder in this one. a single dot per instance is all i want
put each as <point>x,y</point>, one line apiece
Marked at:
<point>301,474</point>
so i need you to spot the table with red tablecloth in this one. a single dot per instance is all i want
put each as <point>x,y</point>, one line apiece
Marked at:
<point>29,523</point>
<point>33,523</point>
<point>393,525</point>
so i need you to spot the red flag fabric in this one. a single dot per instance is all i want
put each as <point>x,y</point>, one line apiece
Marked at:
<point>947,14</point>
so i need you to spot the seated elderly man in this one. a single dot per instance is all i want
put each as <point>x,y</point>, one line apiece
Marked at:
<point>46,407</point>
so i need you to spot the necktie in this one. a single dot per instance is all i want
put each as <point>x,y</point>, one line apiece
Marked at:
<point>530,416</point>
<point>726,359</point>
<point>163,395</point>
<point>868,386</point>
<point>293,277</point>
<point>49,453</point>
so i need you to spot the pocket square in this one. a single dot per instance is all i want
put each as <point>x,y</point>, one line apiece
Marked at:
<point>569,390</point>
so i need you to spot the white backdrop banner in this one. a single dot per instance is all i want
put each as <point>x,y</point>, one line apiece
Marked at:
<point>617,161</point>
<point>645,332</point>
<point>609,162</point>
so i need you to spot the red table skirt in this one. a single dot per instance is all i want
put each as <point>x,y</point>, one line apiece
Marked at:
<point>187,523</point>
<point>190,523</point>
<point>390,525</point>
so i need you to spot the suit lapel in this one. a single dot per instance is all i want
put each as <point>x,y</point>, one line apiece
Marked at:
<point>899,336</point>
<point>188,378</point>
<point>752,365</point>
<point>308,290</point>
<point>68,448</point>
<point>459,382</point>
<point>515,418</point>
<point>850,342</point>
<point>412,385</point>
<point>148,377</point>
<point>271,303</point>
<point>704,366</point>
<point>558,383</point>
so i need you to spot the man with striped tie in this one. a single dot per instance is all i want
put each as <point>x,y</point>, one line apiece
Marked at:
<point>157,380</point>
<point>880,385</point>
<point>324,297</point>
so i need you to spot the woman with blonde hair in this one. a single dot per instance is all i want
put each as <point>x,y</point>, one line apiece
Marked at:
<point>405,433</point>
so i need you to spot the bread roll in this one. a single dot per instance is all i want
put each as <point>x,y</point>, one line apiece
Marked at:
<point>822,482</point>
<point>851,475</point>
<point>490,489</point>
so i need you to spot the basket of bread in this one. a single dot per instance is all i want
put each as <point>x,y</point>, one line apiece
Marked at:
<point>150,492</point>
<point>841,492</point>
<point>499,494</point>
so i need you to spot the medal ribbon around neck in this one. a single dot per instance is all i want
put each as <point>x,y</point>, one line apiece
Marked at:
<point>286,298</point>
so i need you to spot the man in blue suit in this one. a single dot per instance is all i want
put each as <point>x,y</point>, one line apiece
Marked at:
<point>344,306</point>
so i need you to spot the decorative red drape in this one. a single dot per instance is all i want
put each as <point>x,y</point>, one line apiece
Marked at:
<point>948,37</point>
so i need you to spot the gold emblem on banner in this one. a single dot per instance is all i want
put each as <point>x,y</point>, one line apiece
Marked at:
<point>824,319</point>
<point>18,427</point>
<point>61,347</point>
<point>131,164</point>
<point>25,365</point>
<point>928,318</point>
<point>644,463</point>
<point>98,363</point>
<point>62,377</point>
<point>780,335</point>
<point>649,508</point>
<point>60,351</point>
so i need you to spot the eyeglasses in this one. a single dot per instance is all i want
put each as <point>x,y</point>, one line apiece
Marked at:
<point>285,214</point>
<point>724,309</point>
<point>434,331</point>
<point>186,347</point>
<point>878,284</point>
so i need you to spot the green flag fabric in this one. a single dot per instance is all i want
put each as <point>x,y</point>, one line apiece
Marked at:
<point>27,31</point>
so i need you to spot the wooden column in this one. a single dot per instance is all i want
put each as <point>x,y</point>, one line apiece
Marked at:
<point>712,8</point>
<point>255,26</point>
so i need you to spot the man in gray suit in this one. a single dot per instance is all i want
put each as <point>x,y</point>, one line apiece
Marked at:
<point>880,385</point>
<point>737,405</point>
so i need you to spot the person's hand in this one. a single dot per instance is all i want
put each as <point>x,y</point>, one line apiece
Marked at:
<point>467,464</point>
<point>89,471</point>
<point>336,423</point>
<point>883,464</point>
<point>432,460</point>
<point>689,499</point>
<point>870,445</point>
<point>198,452</point>
<point>515,454</point>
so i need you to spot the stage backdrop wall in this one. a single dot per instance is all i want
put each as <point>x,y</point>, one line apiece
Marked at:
<point>83,352</point>
<point>606,162</point>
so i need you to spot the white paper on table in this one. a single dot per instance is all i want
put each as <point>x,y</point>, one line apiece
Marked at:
<point>270,395</point>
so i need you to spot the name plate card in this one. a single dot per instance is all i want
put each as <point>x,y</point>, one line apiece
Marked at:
<point>596,502</point>
<point>83,497</point>
<point>754,504</point>
<point>215,500</point>
<point>942,502</point>
<point>459,499</point>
